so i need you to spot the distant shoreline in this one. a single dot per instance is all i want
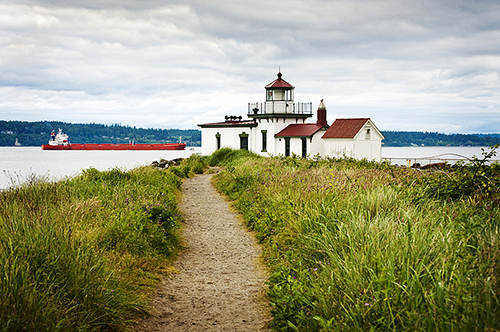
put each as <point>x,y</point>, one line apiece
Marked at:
<point>37,133</point>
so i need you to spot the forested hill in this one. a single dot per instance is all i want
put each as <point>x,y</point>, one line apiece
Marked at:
<point>417,138</point>
<point>38,133</point>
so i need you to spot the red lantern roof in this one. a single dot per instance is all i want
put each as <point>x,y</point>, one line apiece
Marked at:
<point>279,83</point>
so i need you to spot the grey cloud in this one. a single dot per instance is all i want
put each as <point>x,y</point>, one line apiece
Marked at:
<point>426,64</point>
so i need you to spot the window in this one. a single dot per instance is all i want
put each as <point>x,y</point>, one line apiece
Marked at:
<point>243,141</point>
<point>217,140</point>
<point>269,94</point>
<point>264,140</point>
<point>367,134</point>
<point>279,94</point>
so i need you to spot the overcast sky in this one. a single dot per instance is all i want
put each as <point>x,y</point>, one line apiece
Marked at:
<point>428,65</point>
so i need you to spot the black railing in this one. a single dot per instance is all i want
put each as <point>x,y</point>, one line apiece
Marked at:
<point>279,108</point>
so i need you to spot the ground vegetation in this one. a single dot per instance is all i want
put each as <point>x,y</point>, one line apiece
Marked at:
<point>364,246</point>
<point>83,254</point>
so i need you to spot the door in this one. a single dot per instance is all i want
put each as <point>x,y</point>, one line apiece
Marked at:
<point>287,146</point>
<point>304,147</point>
<point>244,142</point>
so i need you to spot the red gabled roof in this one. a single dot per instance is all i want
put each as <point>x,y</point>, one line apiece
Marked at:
<point>279,83</point>
<point>299,130</point>
<point>345,128</point>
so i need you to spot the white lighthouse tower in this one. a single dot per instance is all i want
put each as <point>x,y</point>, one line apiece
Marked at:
<point>277,112</point>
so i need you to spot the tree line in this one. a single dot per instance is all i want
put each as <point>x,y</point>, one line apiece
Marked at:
<point>417,138</point>
<point>38,133</point>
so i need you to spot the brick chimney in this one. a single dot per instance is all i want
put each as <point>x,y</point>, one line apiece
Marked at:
<point>321,114</point>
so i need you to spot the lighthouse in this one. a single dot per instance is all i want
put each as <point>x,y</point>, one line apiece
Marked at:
<point>277,126</point>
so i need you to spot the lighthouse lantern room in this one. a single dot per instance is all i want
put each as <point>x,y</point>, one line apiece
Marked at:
<point>279,101</point>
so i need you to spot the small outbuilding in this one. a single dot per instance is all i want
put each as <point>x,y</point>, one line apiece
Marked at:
<point>357,138</point>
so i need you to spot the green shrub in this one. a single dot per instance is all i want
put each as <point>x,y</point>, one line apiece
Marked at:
<point>476,179</point>
<point>197,163</point>
<point>225,156</point>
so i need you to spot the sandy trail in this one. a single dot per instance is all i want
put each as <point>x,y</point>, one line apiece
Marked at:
<point>220,286</point>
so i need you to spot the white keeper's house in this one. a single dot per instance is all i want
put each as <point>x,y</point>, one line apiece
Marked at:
<point>278,127</point>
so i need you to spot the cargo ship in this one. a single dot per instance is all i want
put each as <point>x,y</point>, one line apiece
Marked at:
<point>60,142</point>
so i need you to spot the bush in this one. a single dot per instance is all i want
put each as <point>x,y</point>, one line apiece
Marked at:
<point>196,163</point>
<point>476,179</point>
<point>225,156</point>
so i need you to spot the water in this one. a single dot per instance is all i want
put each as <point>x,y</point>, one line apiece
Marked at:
<point>431,154</point>
<point>19,163</point>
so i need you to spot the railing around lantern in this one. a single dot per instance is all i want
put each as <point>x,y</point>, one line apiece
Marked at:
<point>279,108</point>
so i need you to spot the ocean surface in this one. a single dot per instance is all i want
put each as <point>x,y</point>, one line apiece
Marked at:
<point>20,163</point>
<point>432,154</point>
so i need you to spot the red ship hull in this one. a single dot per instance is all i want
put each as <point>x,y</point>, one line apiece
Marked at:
<point>170,146</point>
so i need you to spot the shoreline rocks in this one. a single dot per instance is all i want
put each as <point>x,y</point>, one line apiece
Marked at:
<point>163,163</point>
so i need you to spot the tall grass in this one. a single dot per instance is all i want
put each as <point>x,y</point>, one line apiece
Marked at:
<point>359,246</point>
<point>81,254</point>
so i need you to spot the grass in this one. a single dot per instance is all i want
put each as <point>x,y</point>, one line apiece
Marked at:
<point>352,245</point>
<point>83,254</point>
<point>361,246</point>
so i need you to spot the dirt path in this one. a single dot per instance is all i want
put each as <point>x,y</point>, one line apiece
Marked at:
<point>220,286</point>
